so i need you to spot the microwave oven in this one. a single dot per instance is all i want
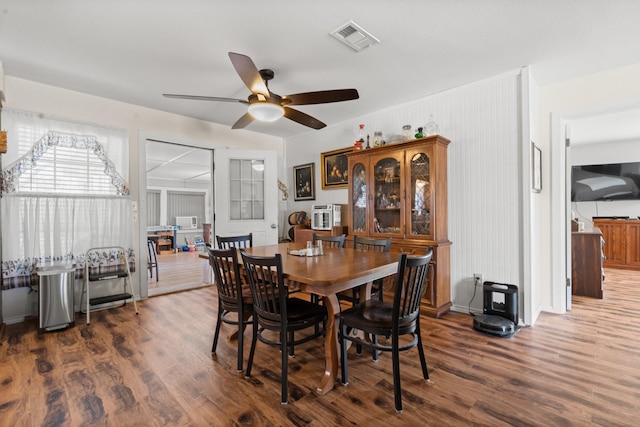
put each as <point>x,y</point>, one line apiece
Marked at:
<point>325,217</point>
<point>187,222</point>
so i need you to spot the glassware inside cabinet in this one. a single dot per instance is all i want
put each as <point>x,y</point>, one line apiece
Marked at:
<point>387,200</point>
<point>420,196</point>
<point>359,198</point>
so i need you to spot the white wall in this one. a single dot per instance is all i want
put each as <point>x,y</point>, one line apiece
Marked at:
<point>482,120</point>
<point>75,106</point>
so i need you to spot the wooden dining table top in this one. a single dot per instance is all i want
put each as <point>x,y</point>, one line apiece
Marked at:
<point>338,269</point>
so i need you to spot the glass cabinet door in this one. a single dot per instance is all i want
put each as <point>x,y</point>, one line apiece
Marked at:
<point>359,199</point>
<point>420,192</point>
<point>387,201</point>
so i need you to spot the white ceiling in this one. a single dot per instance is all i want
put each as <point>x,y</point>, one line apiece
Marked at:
<point>135,51</point>
<point>172,162</point>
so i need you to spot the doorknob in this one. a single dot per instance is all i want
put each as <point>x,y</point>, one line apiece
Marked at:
<point>273,226</point>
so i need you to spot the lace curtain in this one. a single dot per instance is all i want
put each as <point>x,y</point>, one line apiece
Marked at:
<point>24,129</point>
<point>38,227</point>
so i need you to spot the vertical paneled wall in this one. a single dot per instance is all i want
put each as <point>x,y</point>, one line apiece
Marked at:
<point>482,122</point>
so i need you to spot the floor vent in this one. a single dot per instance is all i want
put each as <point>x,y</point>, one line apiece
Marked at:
<point>354,36</point>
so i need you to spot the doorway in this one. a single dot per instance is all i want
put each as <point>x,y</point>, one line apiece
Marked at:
<point>606,127</point>
<point>179,215</point>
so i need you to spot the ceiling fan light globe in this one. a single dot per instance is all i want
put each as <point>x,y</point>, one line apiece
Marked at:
<point>266,111</point>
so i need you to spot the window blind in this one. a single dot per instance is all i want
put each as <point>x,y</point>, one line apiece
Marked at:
<point>153,208</point>
<point>65,170</point>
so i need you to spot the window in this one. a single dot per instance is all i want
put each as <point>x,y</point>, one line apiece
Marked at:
<point>246,189</point>
<point>67,170</point>
<point>64,191</point>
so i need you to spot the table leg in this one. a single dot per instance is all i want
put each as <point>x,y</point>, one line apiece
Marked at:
<point>330,345</point>
<point>331,340</point>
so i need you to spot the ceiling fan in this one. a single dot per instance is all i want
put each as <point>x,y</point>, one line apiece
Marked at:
<point>266,106</point>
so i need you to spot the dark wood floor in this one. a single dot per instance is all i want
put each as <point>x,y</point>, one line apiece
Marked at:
<point>578,369</point>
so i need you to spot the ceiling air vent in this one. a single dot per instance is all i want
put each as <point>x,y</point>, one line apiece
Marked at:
<point>354,36</point>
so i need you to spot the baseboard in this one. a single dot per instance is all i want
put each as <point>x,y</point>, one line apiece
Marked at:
<point>16,319</point>
<point>176,288</point>
<point>465,309</point>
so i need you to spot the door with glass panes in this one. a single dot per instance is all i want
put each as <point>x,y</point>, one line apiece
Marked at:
<point>245,190</point>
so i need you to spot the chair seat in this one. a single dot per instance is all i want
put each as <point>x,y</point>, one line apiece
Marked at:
<point>373,315</point>
<point>299,310</point>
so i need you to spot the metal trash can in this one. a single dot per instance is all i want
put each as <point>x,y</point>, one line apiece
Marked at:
<point>56,295</point>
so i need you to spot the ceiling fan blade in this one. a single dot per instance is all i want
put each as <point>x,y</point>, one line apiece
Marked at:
<point>243,121</point>
<point>204,98</point>
<point>322,96</point>
<point>249,73</point>
<point>302,118</point>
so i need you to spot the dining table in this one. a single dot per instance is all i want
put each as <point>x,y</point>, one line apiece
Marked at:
<point>336,270</point>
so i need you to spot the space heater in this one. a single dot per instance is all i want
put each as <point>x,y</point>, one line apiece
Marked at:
<point>500,312</point>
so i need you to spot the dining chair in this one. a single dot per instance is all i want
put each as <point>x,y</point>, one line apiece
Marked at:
<point>331,241</point>
<point>366,244</point>
<point>276,311</point>
<point>392,320</point>
<point>245,241</point>
<point>233,297</point>
<point>152,259</point>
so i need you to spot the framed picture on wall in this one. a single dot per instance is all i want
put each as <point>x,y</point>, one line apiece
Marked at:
<point>536,169</point>
<point>334,168</point>
<point>304,180</point>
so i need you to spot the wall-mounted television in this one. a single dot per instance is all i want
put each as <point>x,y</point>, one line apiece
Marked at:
<point>614,181</point>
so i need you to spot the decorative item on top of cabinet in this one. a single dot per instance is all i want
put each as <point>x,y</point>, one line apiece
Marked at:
<point>400,191</point>
<point>431,128</point>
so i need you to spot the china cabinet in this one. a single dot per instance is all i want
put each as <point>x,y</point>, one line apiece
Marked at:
<point>400,191</point>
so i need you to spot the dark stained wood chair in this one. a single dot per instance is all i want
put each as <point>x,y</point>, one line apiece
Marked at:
<point>366,244</point>
<point>331,241</point>
<point>245,241</point>
<point>233,297</point>
<point>275,310</point>
<point>392,320</point>
<point>152,259</point>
